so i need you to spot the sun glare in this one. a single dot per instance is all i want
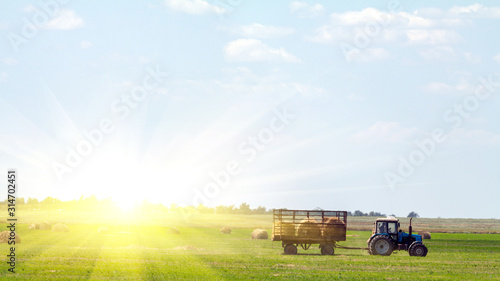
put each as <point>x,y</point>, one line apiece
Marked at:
<point>126,204</point>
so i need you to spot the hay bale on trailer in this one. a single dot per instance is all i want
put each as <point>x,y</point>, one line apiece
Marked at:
<point>4,237</point>
<point>284,229</point>
<point>259,234</point>
<point>225,230</point>
<point>425,234</point>
<point>309,228</point>
<point>333,227</point>
<point>60,227</point>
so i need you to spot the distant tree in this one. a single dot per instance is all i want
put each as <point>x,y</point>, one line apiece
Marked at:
<point>260,210</point>
<point>358,213</point>
<point>413,215</point>
<point>349,213</point>
<point>376,214</point>
<point>20,200</point>
<point>244,208</point>
<point>205,210</point>
<point>224,209</point>
<point>32,200</point>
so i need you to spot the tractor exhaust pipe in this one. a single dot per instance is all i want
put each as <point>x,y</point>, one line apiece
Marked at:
<point>410,228</point>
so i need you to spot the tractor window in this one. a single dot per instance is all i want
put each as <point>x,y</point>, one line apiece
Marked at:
<point>392,227</point>
<point>381,227</point>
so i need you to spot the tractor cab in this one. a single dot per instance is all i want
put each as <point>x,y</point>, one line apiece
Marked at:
<point>387,226</point>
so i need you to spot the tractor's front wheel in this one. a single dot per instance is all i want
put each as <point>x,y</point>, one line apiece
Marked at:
<point>290,249</point>
<point>381,245</point>
<point>417,249</point>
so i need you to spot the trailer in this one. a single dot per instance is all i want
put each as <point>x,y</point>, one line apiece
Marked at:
<point>307,227</point>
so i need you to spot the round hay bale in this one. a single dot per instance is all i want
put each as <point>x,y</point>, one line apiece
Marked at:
<point>103,229</point>
<point>34,226</point>
<point>259,234</point>
<point>309,228</point>
<point>225,230</point>
<point>4,237</point>
<point>333,227</point>
<point>60,227</point>
<point>284,229</point>
<point>173,230</point>
<point>45,226</point>
<point>425,234</point>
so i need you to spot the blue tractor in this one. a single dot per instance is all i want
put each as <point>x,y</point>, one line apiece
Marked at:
<point>388,237</point>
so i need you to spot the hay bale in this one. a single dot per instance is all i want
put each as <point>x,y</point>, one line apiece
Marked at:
<point>309,228</point>
<point>173,230</point>
<point>333,227</point>
<point>225,230</point>
<point>4,237</point>
<point>259,234</point>
<point>60,227</point>
<point>103,229</point>
<point>284,229</point>
<point>45,226</point>
<point>425,234</point>
<point>34,226</point>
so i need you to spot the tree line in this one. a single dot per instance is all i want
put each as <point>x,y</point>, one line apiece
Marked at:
<point>92,202</point>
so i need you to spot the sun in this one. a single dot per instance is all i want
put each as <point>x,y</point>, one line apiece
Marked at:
<point>126,203</point>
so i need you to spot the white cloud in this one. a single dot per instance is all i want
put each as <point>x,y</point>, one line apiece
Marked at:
<point>3,76</point>
<point>368,55</point>
<point>470,57</point>
<point>86,44</point>
<point>476,10</point>
<point>257,30</point>
<point>355,98</point>
<point>252,50</point>
<point>194,7</point>
<point>305,10</point>
<point>65,20</point>
<point>432,37</point>
<point>387,132</point>
<point>439,54</point>
<point>462,136</point>
<point>10,61</point>
<point>497,58</point>
<point>439,88</point>
<point>30,9</point>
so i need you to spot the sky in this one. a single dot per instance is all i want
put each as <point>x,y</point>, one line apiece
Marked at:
<point>387,106</point>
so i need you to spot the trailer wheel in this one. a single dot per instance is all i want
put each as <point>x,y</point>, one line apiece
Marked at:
<point>327,250</point>
<point>381,245</point>
<point>417,249</point>
<point>290,249</point>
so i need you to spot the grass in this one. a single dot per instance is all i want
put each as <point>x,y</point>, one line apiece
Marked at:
<point>131,251</point>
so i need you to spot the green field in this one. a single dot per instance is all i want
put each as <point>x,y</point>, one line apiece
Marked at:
<point>144,251</point>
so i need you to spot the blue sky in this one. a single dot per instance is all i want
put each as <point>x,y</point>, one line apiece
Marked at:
<point>389,106</point>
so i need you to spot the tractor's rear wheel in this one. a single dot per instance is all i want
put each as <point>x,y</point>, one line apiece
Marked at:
<point>290,249</point>
<point>327,250</point>
<point>381,245</point>
<point>417,249</point>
